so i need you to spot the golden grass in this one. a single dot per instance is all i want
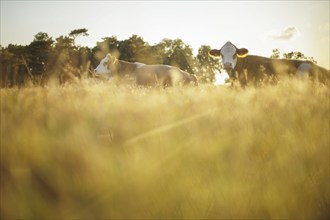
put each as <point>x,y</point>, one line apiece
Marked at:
<point>103,151</point>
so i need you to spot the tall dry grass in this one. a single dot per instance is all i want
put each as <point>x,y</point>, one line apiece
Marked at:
<point>103,151</point>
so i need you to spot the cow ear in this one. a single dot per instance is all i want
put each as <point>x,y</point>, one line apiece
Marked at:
<point>241,53</point>
<point>214,53</point>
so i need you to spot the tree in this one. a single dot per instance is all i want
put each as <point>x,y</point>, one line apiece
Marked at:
<point>78,32</point>
<point>133,49</point>
<point>111,44</point>
<point>298,56</point>
<point>66,48</point>
<point>206,66</point>
<point>138,49</point>
<point>16,69</point>
<point>6,59</point>
<point>276,54</point>
<point>176,53</point>
<point>294,55</point>
<point>63,46</point>
<point>39,52</point>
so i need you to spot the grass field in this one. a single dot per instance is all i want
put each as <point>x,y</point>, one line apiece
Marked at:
<point>101,151</point>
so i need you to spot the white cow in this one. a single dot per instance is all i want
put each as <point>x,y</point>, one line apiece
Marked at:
<point>145,75</point>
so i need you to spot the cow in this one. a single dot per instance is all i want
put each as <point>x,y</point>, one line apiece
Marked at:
<point>256,69</point>
<point>145,75</point>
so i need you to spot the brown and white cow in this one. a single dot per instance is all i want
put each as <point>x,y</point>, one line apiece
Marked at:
<point>145,75</point>
<point>248,68</point>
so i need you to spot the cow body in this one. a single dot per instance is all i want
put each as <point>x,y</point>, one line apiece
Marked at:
<point>122,68</point>
<point>148,75</point>
<point>248,68</point>
<point>164,75</point>
<point>257,69</point>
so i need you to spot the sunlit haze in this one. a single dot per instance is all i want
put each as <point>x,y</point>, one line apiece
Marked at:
<point>259,26</point>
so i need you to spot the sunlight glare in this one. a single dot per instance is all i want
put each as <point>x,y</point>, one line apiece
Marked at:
<point>220,78</point>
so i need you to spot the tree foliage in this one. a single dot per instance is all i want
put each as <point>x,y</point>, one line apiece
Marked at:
<point>294,55</point>
<point>39,53</point>
<point>78,32</point>
<point>206,67</point>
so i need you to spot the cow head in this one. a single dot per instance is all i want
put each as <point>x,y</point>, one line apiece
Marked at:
<point>105,65</point>
<point>229,54</point>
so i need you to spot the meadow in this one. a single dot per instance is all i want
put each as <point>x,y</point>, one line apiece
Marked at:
<point>106,151</point>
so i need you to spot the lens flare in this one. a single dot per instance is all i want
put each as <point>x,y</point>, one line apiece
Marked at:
<point>221,78</point>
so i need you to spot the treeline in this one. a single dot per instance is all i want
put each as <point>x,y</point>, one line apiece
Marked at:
<point>46,59</point>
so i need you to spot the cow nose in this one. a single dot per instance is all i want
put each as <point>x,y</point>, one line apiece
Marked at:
<point>227,66</point>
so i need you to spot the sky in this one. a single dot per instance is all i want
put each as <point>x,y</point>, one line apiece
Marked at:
<point>259,26</point>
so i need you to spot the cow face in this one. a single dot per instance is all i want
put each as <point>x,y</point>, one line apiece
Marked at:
<point>106,65</point>
<point>102,68</point>
<point>229,54</point>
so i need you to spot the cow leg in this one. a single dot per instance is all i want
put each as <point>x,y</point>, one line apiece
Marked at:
<point>167,82</point>
<point>242,77</point>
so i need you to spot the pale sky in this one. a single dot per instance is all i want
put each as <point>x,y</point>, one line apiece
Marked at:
<point>259,26</point>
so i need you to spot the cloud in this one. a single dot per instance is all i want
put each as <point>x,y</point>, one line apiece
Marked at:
<point>286,34</point>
